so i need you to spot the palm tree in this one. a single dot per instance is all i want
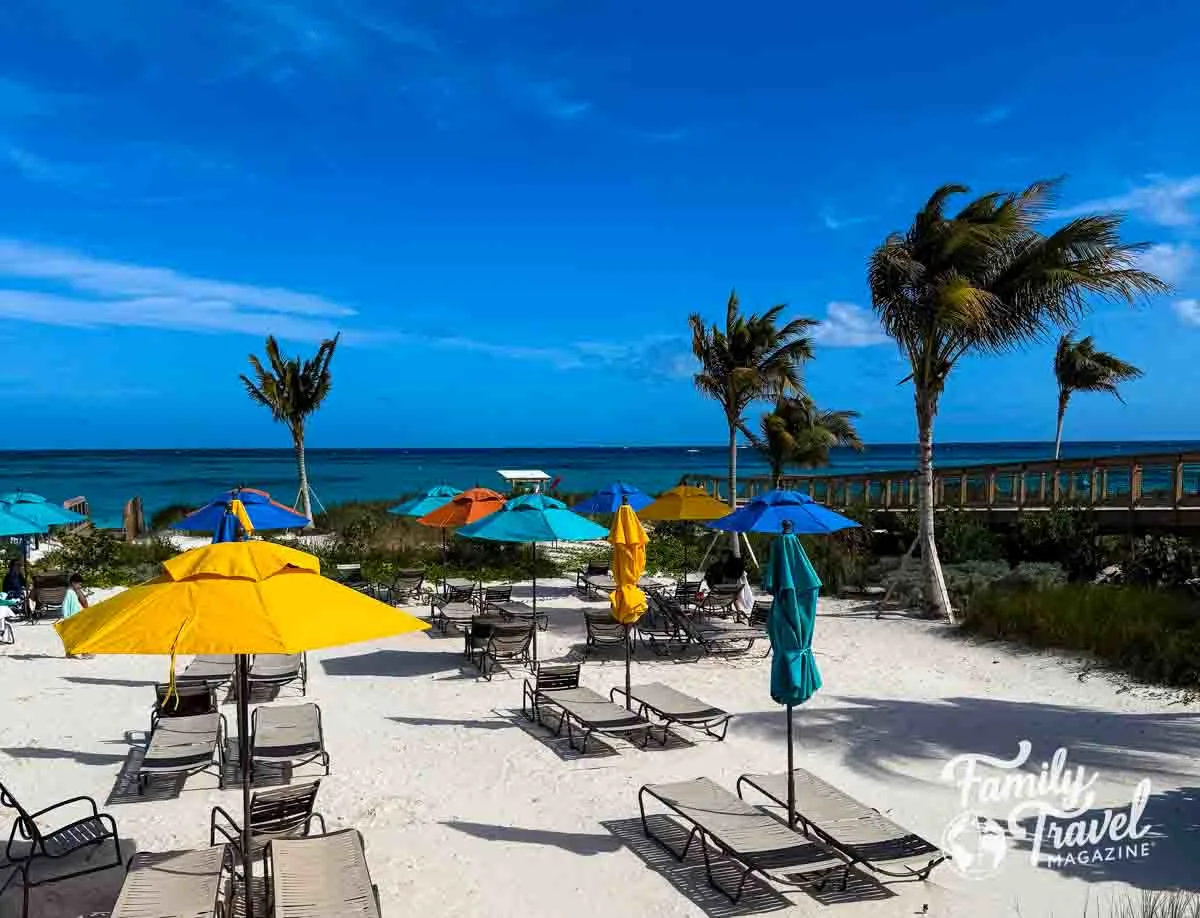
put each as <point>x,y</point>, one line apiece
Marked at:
<point>751,358</point>
<point>1079,367</point>
<point>987,281</point>
<point>798,433</point>
<point>293,389</point>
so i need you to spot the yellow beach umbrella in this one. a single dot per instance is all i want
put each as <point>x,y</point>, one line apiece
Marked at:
<point>628,540</point>
<point>684,503</point>
<point>235,598</point>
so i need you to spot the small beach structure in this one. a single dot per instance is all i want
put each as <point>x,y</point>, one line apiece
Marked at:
<point>238,598</point>
<point>524,481</point>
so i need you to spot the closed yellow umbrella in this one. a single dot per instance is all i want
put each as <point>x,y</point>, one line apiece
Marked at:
<point>235,598</point>
<point>628,540</point>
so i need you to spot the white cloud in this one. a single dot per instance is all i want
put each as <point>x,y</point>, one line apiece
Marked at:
<point>1171,261</point>
<point>847,325</point>
<point>1188,311</point>
<point>994,115</point>
<point>833,222</point>
<point>1160,200</point>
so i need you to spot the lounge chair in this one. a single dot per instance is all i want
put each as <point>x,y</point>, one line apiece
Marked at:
<point>281,812</point>
<point>213,669</point>
<point>495,595</point>
<point>351,575</point>
<point>182,700</point>
<point>658,628</point>
<point>720,599</point>
<point>505,644</point>
<point>862,834</point>
<point>49,591</point>
<point>687,589</point>
<point>454,615</point>
<point>287,734</point>
<point>94,829</point>
<point>322,875</point>
<point>587,712</point>
<point>177,884</point>
<point>755,839</point>
<point>712,635</point>
<point>279,669</point>
<point>603,631</point>
<point>591,569</point>
<point>548,678</point>
<point>674,707</point>
<point>182,746</point>
<point>408,586</point>
<point>760,612</point>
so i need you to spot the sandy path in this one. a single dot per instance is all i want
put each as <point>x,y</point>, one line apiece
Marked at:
<point>467,812</point>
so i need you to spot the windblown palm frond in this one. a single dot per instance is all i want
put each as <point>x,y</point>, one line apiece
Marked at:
<point>1079,367</point>
<point>798,433</point>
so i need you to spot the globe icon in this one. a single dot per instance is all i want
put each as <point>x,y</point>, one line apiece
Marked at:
<point>976,844</point>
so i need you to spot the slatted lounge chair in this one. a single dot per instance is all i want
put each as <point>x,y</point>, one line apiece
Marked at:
<point>759,842</point>
<point>494,595</point>
<point>408,586</point>
<point>720,599</point>
<point>455,615</point>
<point>586,712</point>
<point>322,876</point>
<point>760,612</point>
<point>658,628</point>
<point>49,591</point>
<point>714,636</point>
<point>92,829</point>
<point>214,669</point>
<point>687,588</point>
<point>674,707</point>
<point>182,746</point>
<point>279,669</point>
<point>281,812</point>
<point>603,631</point>
<point>862,834</point>
<point>592,569</point>
<point>182,700</point>
<point>350,575</point>
<point>506,644</point>
<point>287,734</point>
<point>177,884</point>
<point>548,678</point>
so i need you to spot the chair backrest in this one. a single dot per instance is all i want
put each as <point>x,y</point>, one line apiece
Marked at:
<point>184,699</point>
<point>50,588</point>
<point>350,572</point>
<point>459,594</point>
<point>497,593</point>
<point>602,624</point>
<point>510,640</point>
<point>282,810</point>
<point>761,611</point>
<point>564,676</point>
<point>25,823</point>
<point>409,579</point>
<point>596,569</point>
<point>686,590</point>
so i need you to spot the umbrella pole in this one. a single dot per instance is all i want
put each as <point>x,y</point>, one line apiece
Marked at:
<point>243,718</point>
<point>628,655</point>
<point>533,555</point>
<point>791,773</point>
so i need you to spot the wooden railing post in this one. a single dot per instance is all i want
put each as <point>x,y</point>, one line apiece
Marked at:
<point>1135,485</point>
<point>991,490</point>
<point>1021,489</point>
<point>1178,489</point>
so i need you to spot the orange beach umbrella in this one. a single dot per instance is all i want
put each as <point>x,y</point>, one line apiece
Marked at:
<point>471,505</point>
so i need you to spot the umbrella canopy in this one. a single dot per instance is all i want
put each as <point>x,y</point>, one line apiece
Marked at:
<point>467,507</point>
<point>534,518</point>
<point>684,502</point>
<point>426,503</point>
<point>768,512</point>
<point>234,598</point>
<point>628,540</point>
<point>13,523</point>
<point>611,498</point>
<point>38,510</point>
<point>262,512</point>
<point>790,578</point>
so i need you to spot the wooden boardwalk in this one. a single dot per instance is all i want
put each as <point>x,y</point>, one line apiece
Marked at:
<point>1150,491</point>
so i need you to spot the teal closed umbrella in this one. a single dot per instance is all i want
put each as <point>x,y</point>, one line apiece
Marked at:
<point>791,580</point>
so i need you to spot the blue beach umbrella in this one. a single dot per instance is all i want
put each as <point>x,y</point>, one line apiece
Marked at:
<point>16,524</point>
<point>534,518</point>
<point>768,513</point>
<point>609,499</point>
<point>37,509</point>
<point>791,580</point>
<point>427,502</point>
<point>263,512</point>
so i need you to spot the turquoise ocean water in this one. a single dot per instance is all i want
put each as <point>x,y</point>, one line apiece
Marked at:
<point>161,477</point>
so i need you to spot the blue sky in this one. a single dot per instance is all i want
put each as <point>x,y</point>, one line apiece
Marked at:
<point>509,207</point>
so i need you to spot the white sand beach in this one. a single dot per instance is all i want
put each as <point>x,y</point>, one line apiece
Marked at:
<point>467,810</point>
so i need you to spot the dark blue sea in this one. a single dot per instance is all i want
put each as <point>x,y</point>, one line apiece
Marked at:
<point>161,477</point>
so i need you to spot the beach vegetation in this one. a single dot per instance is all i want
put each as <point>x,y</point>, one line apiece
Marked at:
<point>1162,561</point>
<point>1152,635</point>
<point>796,433</point>
<point>1079,367</point>
<point>103,560</point>
<point>751,358</point>
<point>168,516</point>
<point>1148,903</point>
<point>987,280</point>
<point>292,389</point>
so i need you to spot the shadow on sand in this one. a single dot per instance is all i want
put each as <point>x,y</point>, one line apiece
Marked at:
<point>396,663</point>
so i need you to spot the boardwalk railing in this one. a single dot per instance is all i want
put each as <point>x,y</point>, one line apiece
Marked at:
<point>1160,482</point>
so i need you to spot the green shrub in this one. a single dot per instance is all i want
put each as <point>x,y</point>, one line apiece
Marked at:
<point>1155,904</point>
<point>1064,535</point>
<point>103,561</point>
<point>1152,635</point>
<point>963,536</point>
<point>1161,561</point>
<point>964,581</point>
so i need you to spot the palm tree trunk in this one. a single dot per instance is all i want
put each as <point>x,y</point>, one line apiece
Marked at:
<point>736,548</point>
<point>937,598</point>
<point>1063,398</point>
<point>302,468</point>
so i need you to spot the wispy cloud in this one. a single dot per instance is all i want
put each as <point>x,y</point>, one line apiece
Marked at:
<point>848,325</point>
<point>1160,200</point>
<point>1173,262</point>
<point>1188,311</point>
<point>835,222</point>
<point>22,100</point>
<point>38,169</point>
<point>58,287</point>
<point>994,115</point>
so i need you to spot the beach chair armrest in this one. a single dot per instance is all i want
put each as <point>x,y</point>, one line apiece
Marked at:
<point>319,818</point>
<point>232,833</point>
<point>65,803</point>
